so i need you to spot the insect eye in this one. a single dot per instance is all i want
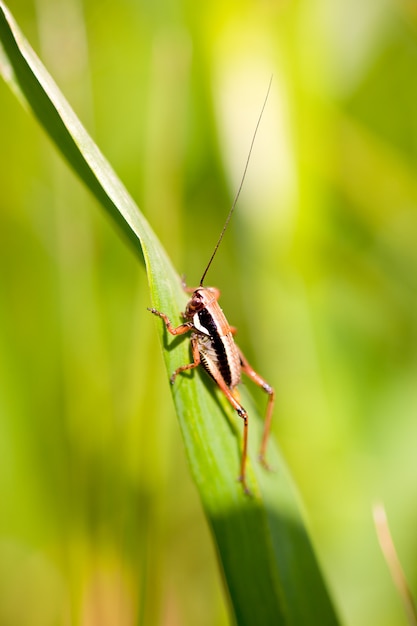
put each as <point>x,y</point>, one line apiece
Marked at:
<point>195,304</point>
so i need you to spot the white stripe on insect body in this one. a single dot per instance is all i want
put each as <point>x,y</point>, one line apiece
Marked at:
<point>198,326</point>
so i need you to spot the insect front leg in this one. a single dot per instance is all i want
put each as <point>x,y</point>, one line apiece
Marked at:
<point>174,330</point>
<point>261,382</point>
<point>184,285</point>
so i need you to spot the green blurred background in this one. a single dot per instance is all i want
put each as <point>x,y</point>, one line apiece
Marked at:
<point>99,521</point>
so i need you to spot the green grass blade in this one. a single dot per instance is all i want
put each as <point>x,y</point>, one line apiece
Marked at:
<point>269,566</point>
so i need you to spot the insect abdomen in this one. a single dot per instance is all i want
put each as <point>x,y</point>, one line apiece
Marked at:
<point>217,351</point>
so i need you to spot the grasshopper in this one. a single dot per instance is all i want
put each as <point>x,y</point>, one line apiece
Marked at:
<point>213,345</point>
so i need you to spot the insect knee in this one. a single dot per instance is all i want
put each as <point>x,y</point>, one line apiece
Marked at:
<point>243,414</point>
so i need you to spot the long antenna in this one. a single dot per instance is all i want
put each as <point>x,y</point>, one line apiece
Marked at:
<point>240,187</point>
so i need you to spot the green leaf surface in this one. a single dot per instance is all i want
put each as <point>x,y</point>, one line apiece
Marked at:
<point>269,567</point>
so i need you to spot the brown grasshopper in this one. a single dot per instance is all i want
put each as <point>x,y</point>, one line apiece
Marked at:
<point>212,342</point>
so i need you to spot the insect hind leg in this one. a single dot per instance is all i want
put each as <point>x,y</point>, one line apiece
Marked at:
<point>261,382</point>
<point>242,414</point>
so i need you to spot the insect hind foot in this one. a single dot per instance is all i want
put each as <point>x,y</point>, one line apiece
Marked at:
<point>246,489</point>
<point>264,463</point>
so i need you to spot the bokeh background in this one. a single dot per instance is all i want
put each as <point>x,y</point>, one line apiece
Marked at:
<point>99,521</point>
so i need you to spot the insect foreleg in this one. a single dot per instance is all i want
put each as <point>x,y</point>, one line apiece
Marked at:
<point>185,286</point>
<point>174,330</point>
<point>261,382</point>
